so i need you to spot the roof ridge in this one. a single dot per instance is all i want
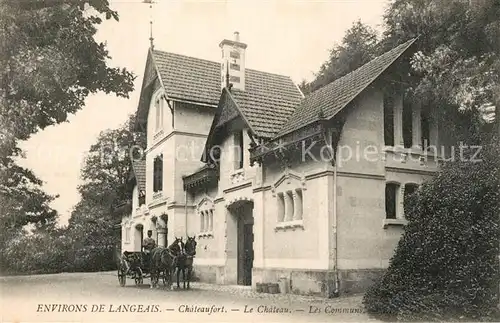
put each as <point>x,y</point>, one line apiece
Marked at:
<point>214,62</point>
<point>329,85</point>
<point>189,56</point>
<point>325,96</point>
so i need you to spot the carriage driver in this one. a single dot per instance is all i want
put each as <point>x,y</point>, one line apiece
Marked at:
<point>149,243</point>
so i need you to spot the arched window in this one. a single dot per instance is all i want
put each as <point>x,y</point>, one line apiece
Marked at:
<point>206,217</point>
<point>163,113</point>
<point>158,106</point>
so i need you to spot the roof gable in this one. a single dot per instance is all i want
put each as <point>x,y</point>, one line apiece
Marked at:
<point>227,111</point>
<point>150,82</point>
<point>332,98</point>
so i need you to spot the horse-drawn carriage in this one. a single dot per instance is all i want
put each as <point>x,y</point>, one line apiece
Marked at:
<point>136,266</point>
<point>160,263</point>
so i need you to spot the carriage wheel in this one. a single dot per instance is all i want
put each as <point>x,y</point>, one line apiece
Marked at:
<point>122,277</point>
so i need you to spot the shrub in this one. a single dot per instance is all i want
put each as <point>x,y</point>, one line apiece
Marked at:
<point>446,263</point>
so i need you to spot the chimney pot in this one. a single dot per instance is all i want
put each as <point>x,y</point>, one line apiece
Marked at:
<point>236,36</point>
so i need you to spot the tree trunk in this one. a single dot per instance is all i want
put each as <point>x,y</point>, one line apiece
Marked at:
<point>497,119</point>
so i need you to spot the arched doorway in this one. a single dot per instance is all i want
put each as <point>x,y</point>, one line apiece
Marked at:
<point>138,237</point>
<point>242,214</point>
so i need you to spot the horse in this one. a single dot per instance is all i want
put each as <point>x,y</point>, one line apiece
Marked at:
<point>185,261</point>
<point>164,260</point>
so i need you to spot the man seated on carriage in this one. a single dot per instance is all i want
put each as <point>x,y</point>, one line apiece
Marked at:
<point>148,245</point>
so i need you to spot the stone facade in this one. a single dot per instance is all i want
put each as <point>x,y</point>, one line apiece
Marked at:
<point>320,224</point>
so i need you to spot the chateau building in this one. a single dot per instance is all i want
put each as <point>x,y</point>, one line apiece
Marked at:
<point>275,184</point>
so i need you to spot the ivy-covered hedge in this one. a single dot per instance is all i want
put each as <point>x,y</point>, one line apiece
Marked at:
<point>446,263</point>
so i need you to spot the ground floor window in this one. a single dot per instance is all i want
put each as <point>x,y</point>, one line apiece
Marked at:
<point>409,190</point>
<point>396,199</point>
<point>206,217</point>
<point>290,205</point>
<point>391,199</point>
<point>206,221</point>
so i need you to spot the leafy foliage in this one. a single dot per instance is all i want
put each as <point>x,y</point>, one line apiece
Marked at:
<point>358,47</point>
<point>457,61</point>
<point>458,54</point>
<point>50,62</point>
<point>90,240</point>
<point>446,263</point>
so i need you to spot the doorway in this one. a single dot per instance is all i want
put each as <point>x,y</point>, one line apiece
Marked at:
<point>245,243</point>
<point>138,237</point>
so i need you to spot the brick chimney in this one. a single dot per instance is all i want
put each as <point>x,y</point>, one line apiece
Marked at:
<point>233,62</point>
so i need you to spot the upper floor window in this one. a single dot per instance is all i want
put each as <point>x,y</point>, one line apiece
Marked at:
<point>142,197</point>
<point>388,119</point>
<point>426,129</point>
<point>158,113</point>
<point>407,124</point>
<point>238,150</point>
<point>158,174</point>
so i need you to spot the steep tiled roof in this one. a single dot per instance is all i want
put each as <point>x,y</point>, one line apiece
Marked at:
<point>189,78</point>
<point>139,167</point>
<point>267,102</point>
<point>332,98</point>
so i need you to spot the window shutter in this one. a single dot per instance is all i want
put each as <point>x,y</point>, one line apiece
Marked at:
<point>160,173</point>
<point>154,175</point>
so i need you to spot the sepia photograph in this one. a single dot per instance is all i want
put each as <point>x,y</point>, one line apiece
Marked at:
<point>250,161</point>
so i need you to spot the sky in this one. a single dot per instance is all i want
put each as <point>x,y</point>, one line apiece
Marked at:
<point>284,36</point>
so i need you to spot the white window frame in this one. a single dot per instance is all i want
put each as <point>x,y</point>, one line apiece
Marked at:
<point>290,209</point>
<point>159,103</point>
<point>205,212</point>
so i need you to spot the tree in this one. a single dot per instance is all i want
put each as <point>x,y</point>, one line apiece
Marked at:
<point>50,62</point>
<point>358,47</point>
<point>105,173</point>
<point>106,168</point>
<point>458,56</point>
<point>446,263</point>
